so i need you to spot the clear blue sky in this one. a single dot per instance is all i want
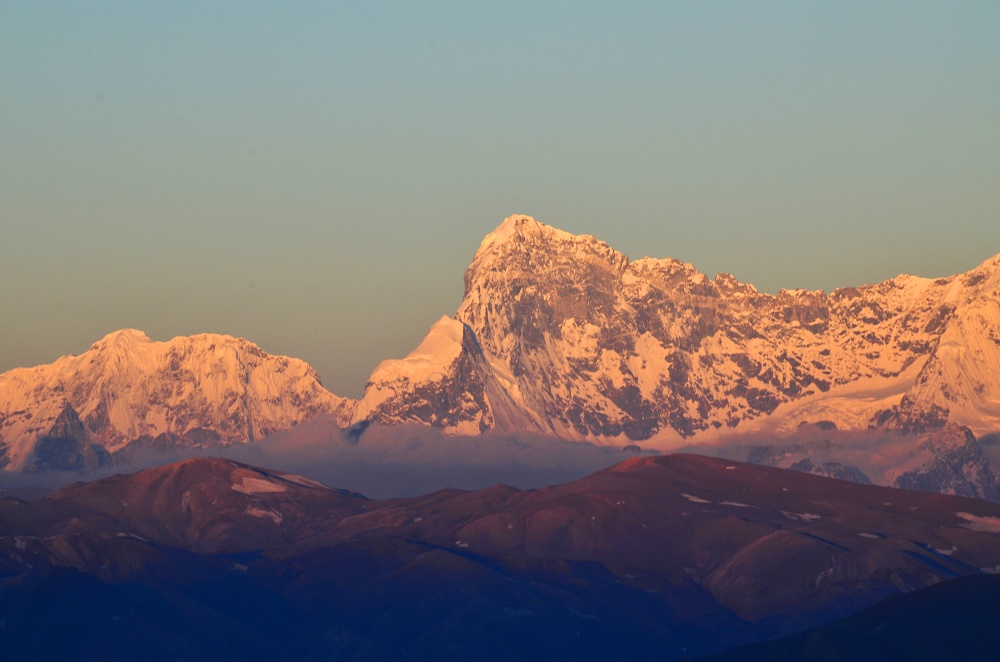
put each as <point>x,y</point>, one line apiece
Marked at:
<point>316,176</point>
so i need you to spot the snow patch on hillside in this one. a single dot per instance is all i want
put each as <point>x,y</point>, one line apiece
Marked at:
<point>980,523</point>
<point>257,485</point>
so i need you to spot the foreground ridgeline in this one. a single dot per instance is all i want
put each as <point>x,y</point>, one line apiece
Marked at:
<point>655,558</point>
<point>557,334</point>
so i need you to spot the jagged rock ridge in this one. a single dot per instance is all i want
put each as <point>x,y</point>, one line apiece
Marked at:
<point>585,343</point>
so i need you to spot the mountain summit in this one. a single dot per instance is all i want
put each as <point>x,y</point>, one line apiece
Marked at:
<point>203,389</point>
<point>570,337</point>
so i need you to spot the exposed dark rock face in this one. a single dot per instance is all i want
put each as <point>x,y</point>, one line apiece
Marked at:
<point>832,470</point>
<point>458,396</point>
<point>66,447</point>
<point>166,444</point>
<point>959,467</point>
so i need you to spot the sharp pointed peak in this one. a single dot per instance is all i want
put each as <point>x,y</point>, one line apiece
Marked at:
<point>521,226</point>
<point>514,225</point>
<point>517,221</point>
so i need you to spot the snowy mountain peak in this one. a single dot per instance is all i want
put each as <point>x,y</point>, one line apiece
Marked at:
<point>207,389</point>
<point>511,225</point>
<point>123,342</point>
<point>520,229</point>
<point>431,359</point>
<point>514,226</point>
<point>590,345</point>
<point>122,336</point>
<point>425,368</point>
<point>561,334</point>
<point>986,276</point>
<point>521,243</point>
<point>991,263</point>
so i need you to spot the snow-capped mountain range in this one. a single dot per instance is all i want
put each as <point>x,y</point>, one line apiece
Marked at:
<point>563,335</point>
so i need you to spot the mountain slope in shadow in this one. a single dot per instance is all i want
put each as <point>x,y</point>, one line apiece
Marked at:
<point>654,558</point>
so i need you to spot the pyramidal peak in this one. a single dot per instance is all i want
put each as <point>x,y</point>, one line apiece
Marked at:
<point>521,243</point>
<point>513,225</point>
<point>520,227</point>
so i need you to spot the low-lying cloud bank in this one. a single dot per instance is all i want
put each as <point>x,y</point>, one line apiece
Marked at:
<point>400,461</point>
<point>385,462</point>
<point>409,460</point>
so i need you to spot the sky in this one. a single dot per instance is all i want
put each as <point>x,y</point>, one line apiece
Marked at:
<point>316,177</point>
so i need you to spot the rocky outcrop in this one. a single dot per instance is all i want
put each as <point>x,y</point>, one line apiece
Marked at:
<point>832,470</point>
<point>66,446</point>
<point>959,466</point>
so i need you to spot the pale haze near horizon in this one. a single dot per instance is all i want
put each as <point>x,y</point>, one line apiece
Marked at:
<point>317,178</point>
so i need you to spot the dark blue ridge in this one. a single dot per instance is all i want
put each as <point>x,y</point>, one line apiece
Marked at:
<point>475,558</point>
<point>945,557</point>
<point>824,540</point>
<point>933,564</point>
